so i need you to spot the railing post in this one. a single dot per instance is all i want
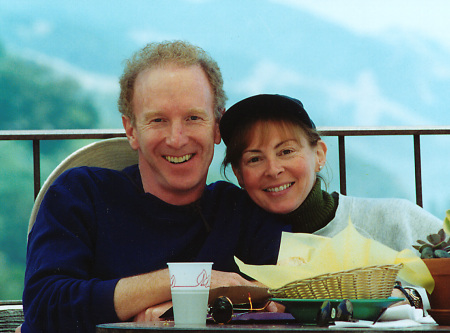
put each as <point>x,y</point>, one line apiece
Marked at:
<point>418,170</point>
<point>342,170</point>
<point>36,166</point>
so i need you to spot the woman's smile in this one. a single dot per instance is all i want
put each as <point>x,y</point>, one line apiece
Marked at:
<point>278,188</point>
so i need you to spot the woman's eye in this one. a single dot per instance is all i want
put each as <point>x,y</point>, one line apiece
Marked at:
<point>286,151</point>
<point>253,160</point>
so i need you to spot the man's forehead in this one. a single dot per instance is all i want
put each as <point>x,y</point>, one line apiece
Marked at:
<point>167,68</point>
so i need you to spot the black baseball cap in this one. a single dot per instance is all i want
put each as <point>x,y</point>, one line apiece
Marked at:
<point>262,107</point>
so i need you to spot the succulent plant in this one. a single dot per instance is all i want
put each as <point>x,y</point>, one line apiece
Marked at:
<point>438,246</point>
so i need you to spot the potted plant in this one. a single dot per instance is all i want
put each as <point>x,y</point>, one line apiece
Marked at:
<point>436,255</point>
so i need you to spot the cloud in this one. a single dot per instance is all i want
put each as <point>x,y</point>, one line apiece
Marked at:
<point>88,80</point>
<point>363,99</point>
<point>144,36</point>
<point>37,29</point>
<point>370,107</point>
<point>197,1</point>
<point>268,76</point>
<point>427,19</point>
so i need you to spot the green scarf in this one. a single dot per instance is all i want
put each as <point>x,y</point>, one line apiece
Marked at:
<point>315,212</point>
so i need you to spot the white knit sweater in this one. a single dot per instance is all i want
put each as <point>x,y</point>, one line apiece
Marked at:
<point>397,223</point>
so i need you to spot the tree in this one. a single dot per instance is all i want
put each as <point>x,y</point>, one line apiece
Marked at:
<point>35,97</point>
<point>32,96</point>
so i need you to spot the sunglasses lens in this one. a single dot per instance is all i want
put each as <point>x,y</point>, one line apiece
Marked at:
<point>344,311</point>
<point>325,314</point>
<point>221,310</point>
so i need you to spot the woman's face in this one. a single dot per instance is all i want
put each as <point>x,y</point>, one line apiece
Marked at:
<point>278,168</point>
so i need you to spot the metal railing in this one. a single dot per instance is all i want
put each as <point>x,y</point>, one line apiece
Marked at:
<point>341,133</point>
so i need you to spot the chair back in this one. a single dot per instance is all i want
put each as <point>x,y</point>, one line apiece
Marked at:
<point>113,153</point>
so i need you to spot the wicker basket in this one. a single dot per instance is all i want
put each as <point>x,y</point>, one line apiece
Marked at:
<point>361,283</point>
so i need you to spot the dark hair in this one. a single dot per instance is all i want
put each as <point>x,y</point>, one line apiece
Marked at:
<point>174,52</point>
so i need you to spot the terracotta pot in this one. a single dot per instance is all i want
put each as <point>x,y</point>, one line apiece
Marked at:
<point>440,270</point>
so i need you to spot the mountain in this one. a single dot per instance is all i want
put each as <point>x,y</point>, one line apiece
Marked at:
<point>345,77</point>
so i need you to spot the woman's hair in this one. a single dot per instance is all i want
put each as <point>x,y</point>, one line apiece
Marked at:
<point>173,52</point>
<point>243,134</point>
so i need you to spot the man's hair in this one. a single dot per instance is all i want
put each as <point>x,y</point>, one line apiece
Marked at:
<point>169,52</point>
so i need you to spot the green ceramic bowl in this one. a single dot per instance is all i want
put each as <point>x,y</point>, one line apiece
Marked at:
<point>305,310</point>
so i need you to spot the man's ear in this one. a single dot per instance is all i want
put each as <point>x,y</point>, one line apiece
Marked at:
<point>130,132</point>
<point>238,174</point>
<point>217,136</point>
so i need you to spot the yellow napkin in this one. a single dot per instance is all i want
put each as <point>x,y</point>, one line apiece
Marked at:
<point>346,250</point>
<point>447,222</point>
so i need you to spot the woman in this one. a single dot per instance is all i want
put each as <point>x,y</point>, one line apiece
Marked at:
<point>277,154</point>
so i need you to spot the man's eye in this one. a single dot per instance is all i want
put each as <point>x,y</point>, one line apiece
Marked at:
<point>194,117</point>
<point>157,120</point>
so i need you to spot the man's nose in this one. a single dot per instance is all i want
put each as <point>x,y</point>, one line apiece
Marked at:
<point>273,168</point>
<point>176,136</point>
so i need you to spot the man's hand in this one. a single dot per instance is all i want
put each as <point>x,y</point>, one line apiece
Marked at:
<point>153,313</point>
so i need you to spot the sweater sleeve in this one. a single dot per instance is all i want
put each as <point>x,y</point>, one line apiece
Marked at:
<point>397,223</point>
<point>61,294</point>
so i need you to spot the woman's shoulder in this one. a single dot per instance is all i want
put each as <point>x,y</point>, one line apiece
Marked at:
<point>377,203</point>
<point>387,209</point>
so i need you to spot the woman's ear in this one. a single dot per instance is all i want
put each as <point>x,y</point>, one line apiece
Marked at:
<point>238,174</point>
<point>321,155</point>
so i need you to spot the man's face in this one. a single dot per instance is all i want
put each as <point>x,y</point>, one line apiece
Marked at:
<point>174,131</point>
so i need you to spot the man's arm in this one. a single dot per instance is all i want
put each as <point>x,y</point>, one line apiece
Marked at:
<point>147,292</point>
<point>137,293</point>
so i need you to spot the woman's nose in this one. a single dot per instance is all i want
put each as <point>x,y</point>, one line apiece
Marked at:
<point>274,168</point>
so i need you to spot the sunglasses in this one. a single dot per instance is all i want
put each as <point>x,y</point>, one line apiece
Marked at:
<point>222,309</point>
<point>328,314</point>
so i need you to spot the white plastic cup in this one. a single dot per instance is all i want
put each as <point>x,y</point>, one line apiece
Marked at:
<point>190,282</point>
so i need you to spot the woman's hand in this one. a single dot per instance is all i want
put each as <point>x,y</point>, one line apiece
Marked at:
<point>275,307</point>
<point>227,279</point>
<point>398,294</point>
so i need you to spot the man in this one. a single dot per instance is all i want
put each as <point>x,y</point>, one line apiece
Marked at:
<point>99,247</point>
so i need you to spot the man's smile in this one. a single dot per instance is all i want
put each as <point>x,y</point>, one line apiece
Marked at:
<point>178,160</point>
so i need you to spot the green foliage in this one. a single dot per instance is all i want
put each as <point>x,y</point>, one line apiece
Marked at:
<point>31,97</point>
<point>11,278</point>
<point>35,97</point>
<point>436,247</point>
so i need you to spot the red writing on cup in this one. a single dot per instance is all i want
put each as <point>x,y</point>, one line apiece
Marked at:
<point>203,280</point>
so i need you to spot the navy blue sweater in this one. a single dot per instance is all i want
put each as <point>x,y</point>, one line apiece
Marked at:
<point>96,226</point>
